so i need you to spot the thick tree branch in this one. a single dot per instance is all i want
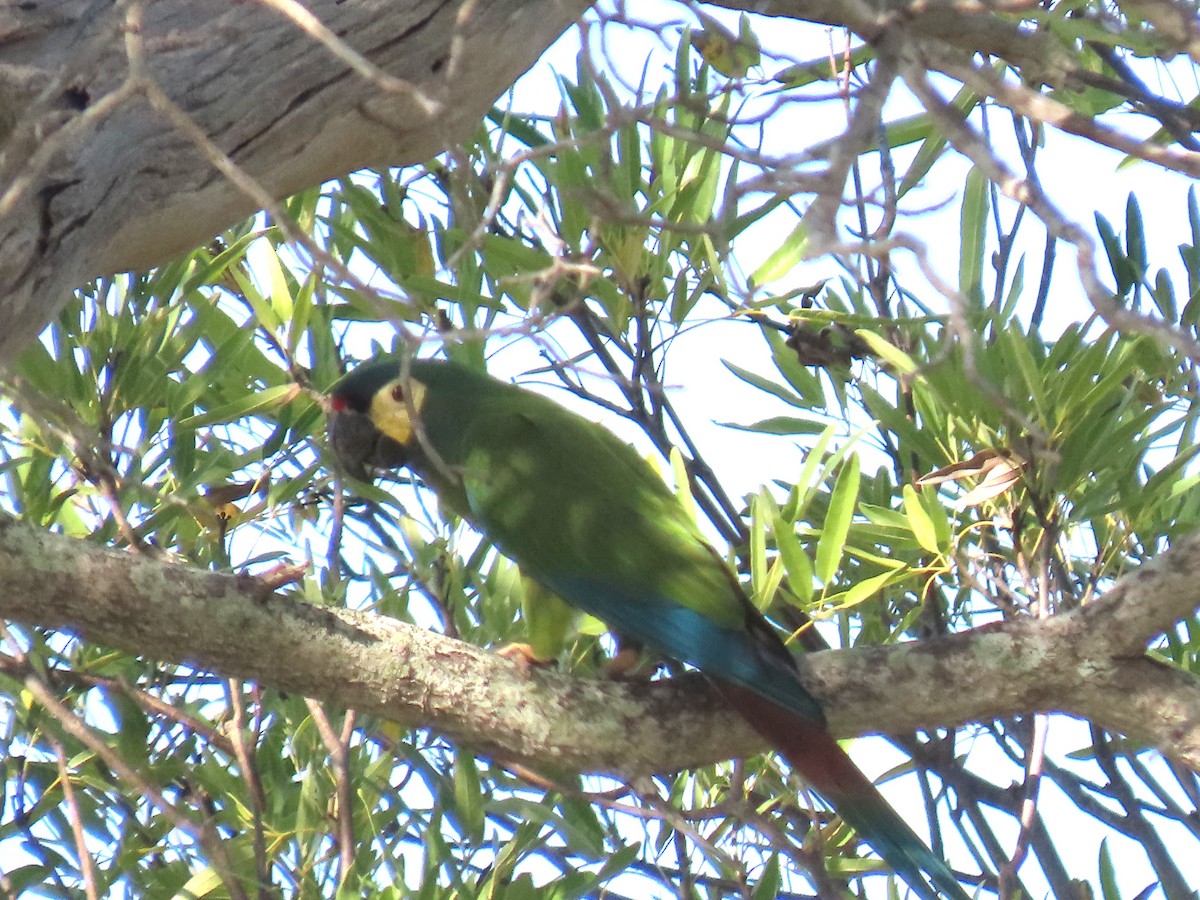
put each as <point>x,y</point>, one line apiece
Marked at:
<point>965,27</point>
<point>97,175</point>
<point>1146,603</point>
<point>95,179</point>
<point>238,627</point>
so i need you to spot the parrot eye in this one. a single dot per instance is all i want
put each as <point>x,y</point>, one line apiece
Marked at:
<point>398,393</point>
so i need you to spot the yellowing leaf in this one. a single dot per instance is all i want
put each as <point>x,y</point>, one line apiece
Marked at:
<point>785,257</point>
<point>888,352</point>
<point>733,55</point>
<point>683,484</point>
<point>863,590</point>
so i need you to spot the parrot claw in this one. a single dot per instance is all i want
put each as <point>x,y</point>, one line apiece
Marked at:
<point>524,657</point>
<point>625,663</point>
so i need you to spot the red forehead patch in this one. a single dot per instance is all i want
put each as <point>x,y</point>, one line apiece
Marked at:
<point>338,403</point>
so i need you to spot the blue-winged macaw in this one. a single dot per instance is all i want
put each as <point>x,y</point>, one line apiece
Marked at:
<point>588,519</point>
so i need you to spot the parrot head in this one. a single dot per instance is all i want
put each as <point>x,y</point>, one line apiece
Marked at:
<point>370,417</point>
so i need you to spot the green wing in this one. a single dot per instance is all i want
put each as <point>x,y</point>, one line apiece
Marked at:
<point>564,497</point>
<point>586,517</point>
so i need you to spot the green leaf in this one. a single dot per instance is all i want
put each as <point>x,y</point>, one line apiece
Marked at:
<point>263,310</point>
<point>973,225</point>
<point>202,884</point>
<point>813,70</point>
<point>766,384</point>
<point>769,882</point>
<point>790,253</point>
<point>468,797</point>
<point>888,352</point>
<point>803,381</point>
<point>832,544</point>
<point>520,128</point>
<point>251,404</point>
<point>1108,874</point>
<point>863,590</point>
<point>683,483</point>
<point>1016,348</point>
<point>919,520</point>
<point>280,291</point>
<point>761,509</point>
<point>779,425</point>
<point>1135,237</point>
<point>1121,269</point>
<point>795,560</point>
<point>920,127</point>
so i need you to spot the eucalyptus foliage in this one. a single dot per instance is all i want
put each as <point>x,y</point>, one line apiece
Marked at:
<point>178,413</point>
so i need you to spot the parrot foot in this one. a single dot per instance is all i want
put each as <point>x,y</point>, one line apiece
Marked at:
<point>625,663</point>
<point>524,657</point>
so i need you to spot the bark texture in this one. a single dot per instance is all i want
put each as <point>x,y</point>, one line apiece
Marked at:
<point>236,626</point>
<point>133,131</point>
<point>99,173</point>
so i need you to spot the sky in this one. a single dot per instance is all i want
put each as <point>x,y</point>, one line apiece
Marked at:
<point>1081,180</point>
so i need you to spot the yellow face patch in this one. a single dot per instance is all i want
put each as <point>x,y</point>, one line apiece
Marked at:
<point>393,406</point>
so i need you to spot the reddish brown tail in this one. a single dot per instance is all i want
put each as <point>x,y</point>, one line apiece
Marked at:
<point>812,751</point>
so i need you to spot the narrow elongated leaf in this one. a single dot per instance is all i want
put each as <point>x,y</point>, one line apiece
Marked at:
<point>837,523</point>
<point>934,139</point>
<point>760,511</point>
<point>766,384</point>
<point>919,520</point>
<point>795,560</point>
<point>973,220</point>
<point>250,404</point>
<point>683,484</point>
<point>784,258</point>
<point>779,425</point>
<point>863,590</point>
<point>888,352</point>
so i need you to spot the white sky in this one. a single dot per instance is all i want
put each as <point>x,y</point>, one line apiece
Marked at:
<point>1080,179</point>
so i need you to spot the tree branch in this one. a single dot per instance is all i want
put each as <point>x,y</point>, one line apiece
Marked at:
<point>237,626</point>
<point>95,180</point>
<point>1144,604</point>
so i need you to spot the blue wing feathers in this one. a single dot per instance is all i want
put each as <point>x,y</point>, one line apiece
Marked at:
<point>603,532</point>
<point>684,634</point>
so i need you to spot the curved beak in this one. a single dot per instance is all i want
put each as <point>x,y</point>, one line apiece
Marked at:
<point>360,447</point>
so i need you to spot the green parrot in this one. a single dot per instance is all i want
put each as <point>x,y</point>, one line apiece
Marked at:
<point>550,623</point>
<point>589,520</point>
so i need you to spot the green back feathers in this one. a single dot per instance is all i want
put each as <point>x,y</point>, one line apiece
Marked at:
<point>582,513</point>
<point>560,494</point>
<point>589,520</point>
